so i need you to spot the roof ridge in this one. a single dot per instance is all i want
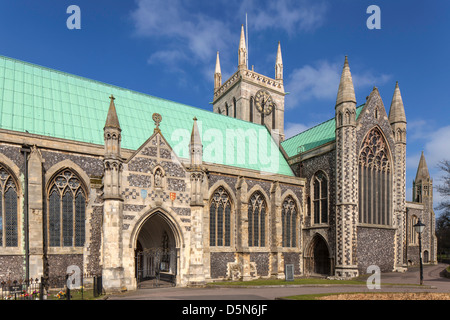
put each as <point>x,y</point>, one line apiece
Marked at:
<point>118,87</point>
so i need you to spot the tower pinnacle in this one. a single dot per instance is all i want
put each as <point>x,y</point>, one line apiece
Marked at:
<point>346,92</point>
<point>242,54</point>
<point>217,73</point>
<point>279,64</point>
<point>397,111</point>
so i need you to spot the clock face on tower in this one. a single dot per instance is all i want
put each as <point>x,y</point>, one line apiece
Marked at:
<point>264,102</point>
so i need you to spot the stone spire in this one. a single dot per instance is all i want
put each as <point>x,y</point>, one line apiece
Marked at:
<point>279,64</point>
<point>422,171</point>
<point>195,146</point>
<point>397,111</point>
<point>112,121</point>
<point>242,54</point>
<point>112,132</point>
<point>346,92</point>
<point>217,74</point>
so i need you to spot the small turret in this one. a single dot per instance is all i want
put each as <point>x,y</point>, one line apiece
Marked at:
<point>112,132</point>
<point>346,101</point>
<point>397,117</point>
<point>195,146</point>
<point>112,160</point>
<point>346,91</point>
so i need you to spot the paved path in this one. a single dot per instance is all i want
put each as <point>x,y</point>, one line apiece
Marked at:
<point>432,283</point>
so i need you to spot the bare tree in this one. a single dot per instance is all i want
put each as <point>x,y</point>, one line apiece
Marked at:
<point>443,221</point>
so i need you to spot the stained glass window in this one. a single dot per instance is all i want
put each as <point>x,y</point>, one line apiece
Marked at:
<point>320,198</point>
<point>8,209</point>
<point>220,218</point>
<point>374,179</point>
<point>257,220</point>
<point>289,222</point>
<point>66,211</point>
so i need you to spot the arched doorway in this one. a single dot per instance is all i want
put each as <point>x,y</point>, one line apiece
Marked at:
<point>156,252</point>
<point>317,257</point>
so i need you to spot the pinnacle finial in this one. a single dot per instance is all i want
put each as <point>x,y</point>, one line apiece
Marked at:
<point>397,110</point>
<point>218,64</point>
<point>279,64</point>
<point>346,91</point>
<point>242,57</point>
<point>112,121</point>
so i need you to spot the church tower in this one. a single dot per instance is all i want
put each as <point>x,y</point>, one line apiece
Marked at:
<point>346,177</point>
<point>423,184</point>
<point>397,119</point>
<point>251,96</point>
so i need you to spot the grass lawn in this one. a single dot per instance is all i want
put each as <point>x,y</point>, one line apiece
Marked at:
<point>372,296</point>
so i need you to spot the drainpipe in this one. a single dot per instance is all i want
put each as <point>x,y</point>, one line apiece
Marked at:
<point>26,150</point>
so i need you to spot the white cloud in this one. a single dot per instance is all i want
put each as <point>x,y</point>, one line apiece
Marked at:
<point>438,146</point>
<point>293,16</point>
<point>187,30</point>
<point>169,57</point>
<point>321,81</point>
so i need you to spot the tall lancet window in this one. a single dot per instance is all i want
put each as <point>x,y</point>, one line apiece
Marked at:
<point>8,209</point>
<point>220,219</point>
<point>66,211</point>
<point>257,209</point>
<point>289,222</point>
<point>374,179</point>
<point>320,197</point>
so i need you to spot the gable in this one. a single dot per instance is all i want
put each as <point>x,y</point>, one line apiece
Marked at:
<point>372,115</point>
<point>47,102</point>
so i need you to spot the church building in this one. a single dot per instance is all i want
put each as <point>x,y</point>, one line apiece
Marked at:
<point>131,187</point>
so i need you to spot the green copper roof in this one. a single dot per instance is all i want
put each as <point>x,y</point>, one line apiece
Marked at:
<point>313,137</point>
<point>47,102</point>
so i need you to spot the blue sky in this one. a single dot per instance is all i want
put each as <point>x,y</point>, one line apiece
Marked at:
<point>168,49</point>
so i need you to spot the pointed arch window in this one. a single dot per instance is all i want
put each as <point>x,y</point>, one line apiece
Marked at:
<point>234,108</point>
<point>320,198</point>
<point>8,209</point>
<point>374,180</point>
<point>66,211</point>
<point>257,209</point>
<point>289,222</point>
<point>413,235</point>
<point>220,219</point>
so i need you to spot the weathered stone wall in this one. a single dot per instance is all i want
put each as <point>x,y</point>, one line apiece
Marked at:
<point>59,263</point>
<point>375,247</point>
<point>292,258</point>
<point>219,261</point>
<point>261,259</point>
<point>12,267</point>
<point>326,163</point>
